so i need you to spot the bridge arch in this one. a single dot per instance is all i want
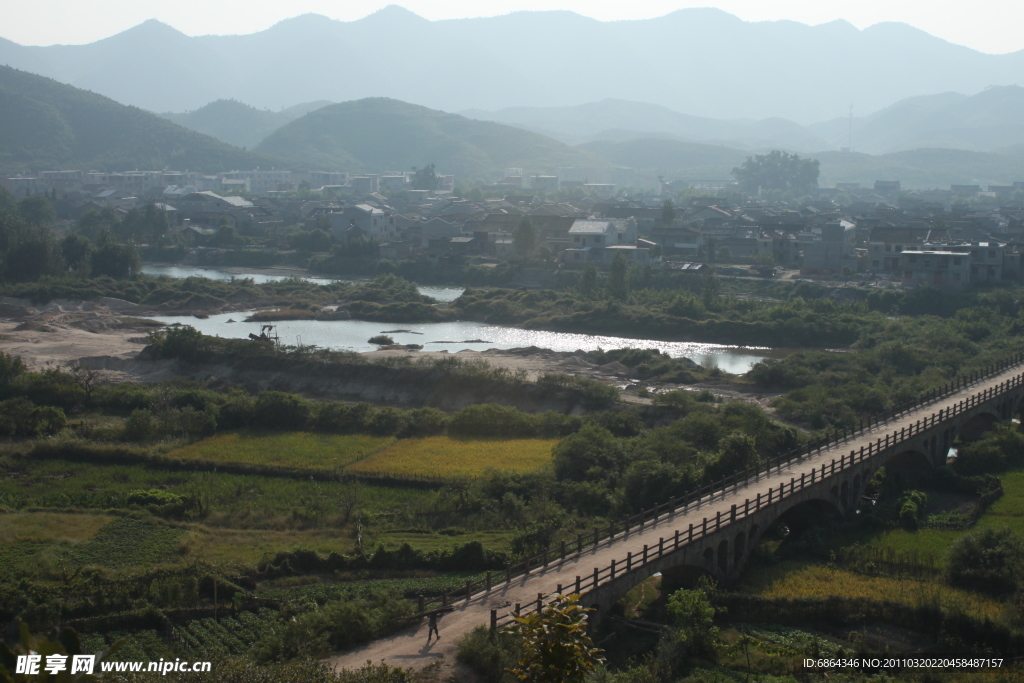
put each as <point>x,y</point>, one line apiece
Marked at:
<point>978,424</point>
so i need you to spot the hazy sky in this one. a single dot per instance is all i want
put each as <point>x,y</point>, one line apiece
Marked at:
<point>992,26</point>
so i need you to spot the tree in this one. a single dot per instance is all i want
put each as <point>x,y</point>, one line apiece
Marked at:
<point>618,286</point>
<point>35,253</point>
<point>588,280</point>
<point>37,210</point>
<point>710,245</point>
<point>425,178</point>
<point>94,221</point>
<point>556,645</point>
<point>710,287</point>
<point>227,236</point>
<point>590,454</point>
<point>777,171</point>
<point>524,239</point>
<point>693,620</point>
<point>7,201</point>
<point>77,251</point>
<point>115,259</point>
<point>668,213</point>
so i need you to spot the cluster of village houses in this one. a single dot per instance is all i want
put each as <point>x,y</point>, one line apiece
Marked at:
<point>916,237</point>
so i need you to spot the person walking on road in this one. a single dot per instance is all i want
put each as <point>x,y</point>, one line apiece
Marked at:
<point>432,631</point>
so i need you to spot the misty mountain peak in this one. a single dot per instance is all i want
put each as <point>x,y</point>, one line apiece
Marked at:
<point>150,29</point>
<point>394,14</point>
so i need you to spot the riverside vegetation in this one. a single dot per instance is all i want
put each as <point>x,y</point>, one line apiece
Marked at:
<point>197,518</point>
<point>180,489</point>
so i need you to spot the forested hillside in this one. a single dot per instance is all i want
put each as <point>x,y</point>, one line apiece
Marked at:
<point>48,125</point>
<point>381,134</point>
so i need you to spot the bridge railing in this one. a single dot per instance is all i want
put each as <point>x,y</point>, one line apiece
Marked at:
<point>734,482</point>
<point>710,525</point>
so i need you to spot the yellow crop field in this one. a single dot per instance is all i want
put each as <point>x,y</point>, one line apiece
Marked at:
<point>299,450</point>
<point>443,456</point>
<point>793,580</point>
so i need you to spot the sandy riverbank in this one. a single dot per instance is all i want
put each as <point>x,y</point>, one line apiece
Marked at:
<point>65,331</point>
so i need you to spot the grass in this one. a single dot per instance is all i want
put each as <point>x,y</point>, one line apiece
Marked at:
<point>296,450</point>
<point>1007,512</point>
<point>793,579</point>
<point>430,540</point>
<point>49,527</point>
<point>443,456</point>
<point>245,548</point>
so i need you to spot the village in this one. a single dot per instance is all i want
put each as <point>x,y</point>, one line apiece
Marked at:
<point>947,238</point>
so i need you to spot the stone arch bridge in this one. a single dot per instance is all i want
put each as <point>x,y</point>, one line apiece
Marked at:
<point>713,531</point>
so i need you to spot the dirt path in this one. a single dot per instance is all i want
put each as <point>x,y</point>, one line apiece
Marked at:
<point>408,649</point>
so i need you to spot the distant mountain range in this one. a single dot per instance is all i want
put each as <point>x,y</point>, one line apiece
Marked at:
<point>46,125</point>
<point>379,134</point>
<point>988,121</point>
<point>237,123</point>
<point>701,61</point>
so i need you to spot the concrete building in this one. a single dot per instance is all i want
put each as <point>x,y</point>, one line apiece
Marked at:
<point>940,268</point>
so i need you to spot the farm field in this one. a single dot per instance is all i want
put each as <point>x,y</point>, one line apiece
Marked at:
<point>443,456</point>
<point>49,527</point>
<point>294,450</point>
<point>791,579</point>
<point>122,543</point>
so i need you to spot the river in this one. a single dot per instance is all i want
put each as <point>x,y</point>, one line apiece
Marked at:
<point>442,294</point>
<point>353,335</point>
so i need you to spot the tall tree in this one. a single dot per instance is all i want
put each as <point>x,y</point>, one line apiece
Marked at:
<point>524,239</point>
<point>618,284</point>
<point>425,178</point>
<point>777,171</point>
<point>77,253</point>
<point>37,210</point>
<point>668,213</point>
<point>587,282</point>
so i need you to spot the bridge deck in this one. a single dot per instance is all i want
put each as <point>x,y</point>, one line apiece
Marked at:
<point>407,648</point>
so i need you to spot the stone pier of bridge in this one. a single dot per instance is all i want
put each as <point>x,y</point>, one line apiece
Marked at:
<point>714,535</point>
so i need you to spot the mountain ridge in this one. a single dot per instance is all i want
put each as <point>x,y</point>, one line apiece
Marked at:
<point>376,135</point>
<point>760,69</point>
<point>46,125</point>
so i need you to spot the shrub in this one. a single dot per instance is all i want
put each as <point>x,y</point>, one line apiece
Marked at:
<point>592,453</point>
<point>693,616</point>
<point>21,417</point>
<point>990,560</point>
<point>340,418</point>
<point>489,657</point>
<point>236,412</point>
<point>422,422</point>
<point>10,367</point>
<point>141,426</point>
<point>382,340</point>
<point>1001,447</point>
<point>278,410</point>
<point>490,419</point>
